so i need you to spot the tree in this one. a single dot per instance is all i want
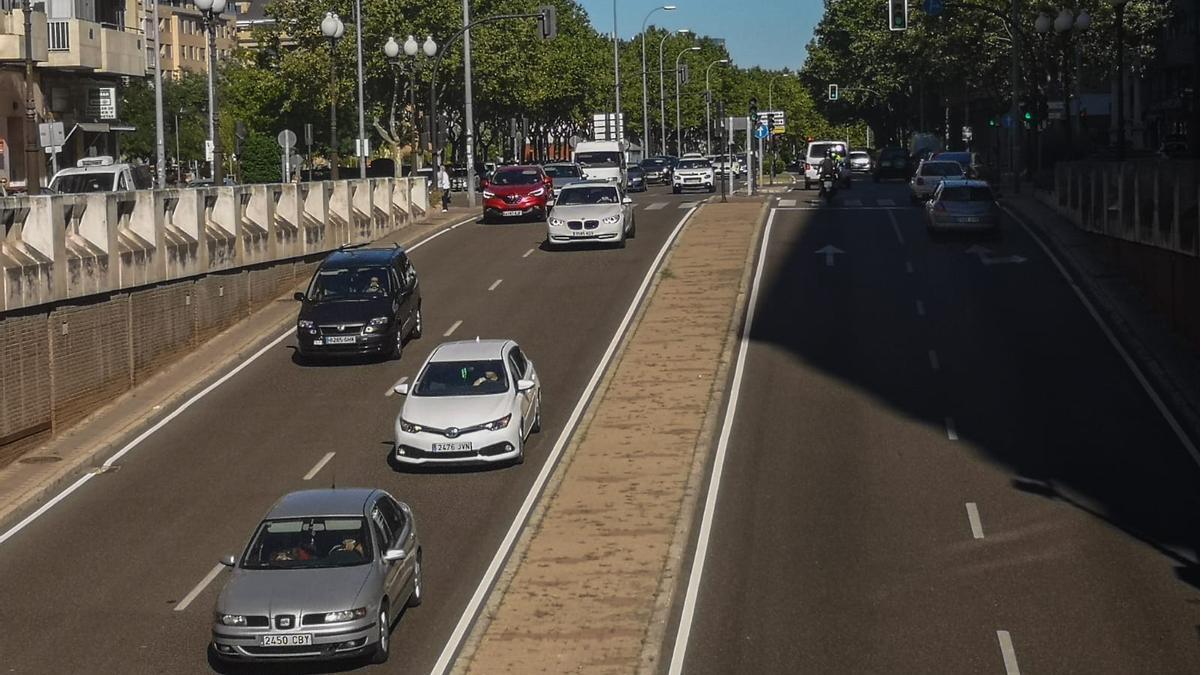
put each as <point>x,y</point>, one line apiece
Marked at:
<point>260,159</point>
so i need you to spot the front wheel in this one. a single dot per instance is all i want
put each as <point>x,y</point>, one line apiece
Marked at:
<point>537,420</point>
<point>415,333</point>
<point>415,598</point>
<point>397,349</point>
<point>381,653</point>
<point>675,190</point>
<point>632,228</point>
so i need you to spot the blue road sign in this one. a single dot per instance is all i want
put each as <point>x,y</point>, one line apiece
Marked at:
<point>934,7</point>
<point>761,131</point>
<point>1007,121</point>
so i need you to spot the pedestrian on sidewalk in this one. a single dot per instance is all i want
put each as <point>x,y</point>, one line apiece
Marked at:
<point>444,185</point>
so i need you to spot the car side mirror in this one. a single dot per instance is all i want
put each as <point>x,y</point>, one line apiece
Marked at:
<point>298,296</point>
<point>401,389</point>
<point>525,385</point>
<point>229,561</point>
<point>627,199</point>
<point>395,554</point>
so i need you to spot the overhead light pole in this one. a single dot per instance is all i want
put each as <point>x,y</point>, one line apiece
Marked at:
<point>33,158</point>
<point>662,92</point>
<point>362,120</point>
<point>646,140</point>
<point>333,29</point>
<point>210,11</point>
<point>708,107</point>
<point>1119,6</point>
<point>160,146</point>
<point>678,115</point>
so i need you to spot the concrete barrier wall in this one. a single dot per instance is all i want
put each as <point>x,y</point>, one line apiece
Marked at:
<point>152,293</point>
<point>59,247</point>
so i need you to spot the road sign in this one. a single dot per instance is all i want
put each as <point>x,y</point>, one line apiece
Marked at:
<point>208,150</point>
<point>778,130</point>
<point>51,134</point>
<point>286,138</point>
<point>760,131</point>
<point>967,133</point>
<point>1007,121</point>
<point>308,133</point>
<point>934,7</point>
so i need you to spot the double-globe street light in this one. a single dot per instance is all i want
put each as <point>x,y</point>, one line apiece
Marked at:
<point>210,12</point>
<point>391,49</point>
<point>333,29</point>
<point>662,92</point>
<point>647,142</point>
<point>678,115</point>
<point>1119,6</point>
<point>1064,24</point>
<point>708,107</point>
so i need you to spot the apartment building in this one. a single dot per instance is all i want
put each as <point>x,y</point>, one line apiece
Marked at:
<point>183,44</point>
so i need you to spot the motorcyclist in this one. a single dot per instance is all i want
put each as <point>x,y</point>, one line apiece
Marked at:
<point>828,167</point>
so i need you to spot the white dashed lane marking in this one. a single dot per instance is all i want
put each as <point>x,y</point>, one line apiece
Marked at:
<point>656,206</point>
<point>453,327</point>
<point>495,284</point>
<point>787,202</point>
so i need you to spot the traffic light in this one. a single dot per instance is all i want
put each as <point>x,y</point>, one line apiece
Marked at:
<point>833,92</point>
<point>898,14</point>
<point>753,108</point>
<point>548,22</point>
<point>991,121</point>
<point>770,120</point>
<point>683,73</point>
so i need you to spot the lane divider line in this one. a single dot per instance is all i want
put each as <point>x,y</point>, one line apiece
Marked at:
<point>896,227</point>
<point>951,432</point>
<point>696,574</point>
<point>471,611</point>
<point>933,360</point>
<point>199,588</point>
<point>495,284</point>
<point>1009,654</point>
<point>453,327</point>
<point>41,510</point>
<point>920,308</point>
<point>529,253</point>
<point>320,465</point>
<point>973,518</point>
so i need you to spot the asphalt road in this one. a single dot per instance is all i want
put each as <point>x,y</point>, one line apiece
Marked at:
<point>940,465</point>
<point>92,586</point>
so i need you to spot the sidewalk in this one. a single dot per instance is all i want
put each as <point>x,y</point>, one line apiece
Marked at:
<point>1170,363</point>
<point>41,472</point>
<point>589,586</point>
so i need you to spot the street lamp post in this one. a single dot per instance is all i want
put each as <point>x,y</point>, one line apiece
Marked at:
<point>662,93</point>
<point>160,148</point>
<point>1063,24</point>
<point>33,158</point>
<point>646,141</point>
<point>708,107</point>
<point>210,11</point>
<point>678,115</point>
<point>1119,6</point>
<point>412,50</point>
<point>333,29</point>
<point>362,120</point>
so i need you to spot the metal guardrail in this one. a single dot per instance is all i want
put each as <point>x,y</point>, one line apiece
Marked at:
<point>59,36</point>
<point>1151,202</point>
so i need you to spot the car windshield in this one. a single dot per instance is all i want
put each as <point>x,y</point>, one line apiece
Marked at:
<point>587,195</point>
<point>892,153</point>
<point>960,157</point>
<point>694,164</point>
<point>562,171</point>
<point>599,158</point>
<point>941,169</point>
<point>463,378</point>
<point>654,163</point>
<point>964,193</point>
<point>349,283</point>
<point>858,154</point>
<point>635,170</point>
<point>517,177</point>
<point>309,543</point>
<point>83,182</point>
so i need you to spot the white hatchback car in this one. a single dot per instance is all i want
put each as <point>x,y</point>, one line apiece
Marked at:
<point>590,212</point>
<point>929,175</point>
<point>473,402</point>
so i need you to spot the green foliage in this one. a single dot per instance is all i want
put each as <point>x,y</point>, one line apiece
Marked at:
<point>260,159</point>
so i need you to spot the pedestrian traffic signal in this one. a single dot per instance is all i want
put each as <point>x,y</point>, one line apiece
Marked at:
<point>898,14</point>
<point>683,73</point>
<point>753,107</point>
<point>548,22</point>
<point>1028,116</point>
<point>833,92</point>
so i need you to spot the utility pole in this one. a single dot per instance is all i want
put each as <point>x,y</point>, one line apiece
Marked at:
<point>33,158</point>
<point>1014,108</point>
<point>362,120</point>
<point>616,72</point>
<point>468,105</point>
<point>160,146</point>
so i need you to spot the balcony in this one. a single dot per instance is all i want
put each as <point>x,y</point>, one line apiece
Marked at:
<point>12,36</point>
<point>84,45</point>
<point>122,53</point>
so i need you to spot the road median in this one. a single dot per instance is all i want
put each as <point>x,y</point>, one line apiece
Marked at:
<point>589,588</point>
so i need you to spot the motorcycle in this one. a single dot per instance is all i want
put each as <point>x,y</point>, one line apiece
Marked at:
<point>828,187</point>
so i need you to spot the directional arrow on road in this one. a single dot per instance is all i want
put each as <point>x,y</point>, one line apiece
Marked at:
<point>829,251</point>
<point>985,256</point>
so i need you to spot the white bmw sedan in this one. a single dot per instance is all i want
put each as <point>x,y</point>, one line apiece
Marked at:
<point>590,212</point>
<point>473,402</point>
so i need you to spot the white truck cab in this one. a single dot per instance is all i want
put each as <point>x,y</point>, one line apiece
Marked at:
<point>101,174</point>
<point>601,160</point>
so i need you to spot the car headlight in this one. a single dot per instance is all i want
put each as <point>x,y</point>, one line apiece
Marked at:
<point>231,619</point>
<point>538,192</point>
<point>611,220</point>
<point>304,323</point>
<point>409,428</point>
<point>375,324</point>
<point>346,615</point>
<point>488,194</point>
<point>496,425</point>
<point>556,222</point>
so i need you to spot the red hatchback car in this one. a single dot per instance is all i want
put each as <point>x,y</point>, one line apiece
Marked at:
<point>520,191</point>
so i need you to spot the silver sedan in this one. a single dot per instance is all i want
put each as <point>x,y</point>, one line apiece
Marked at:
<point>324,576</point>
<point>962,205</point>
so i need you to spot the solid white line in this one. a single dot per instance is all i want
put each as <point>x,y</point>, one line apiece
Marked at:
<point>838,208</point>
<point>41,510</point>
<point>453,327</point>
<point>679,653</point>
<point>208,578</point>
<point>973,517</point>
<point>529,253</point>
<point>920,308</point>
<point>320,465</point>
<point>494,284</point>
<point>787,202</point>
<point>933,360</point>
<point>489,577</point>
<point>1009,654</point>
<point>951,431</point>
<point>896,226</point>
<point>908,266</point>
<point>1112,339</point>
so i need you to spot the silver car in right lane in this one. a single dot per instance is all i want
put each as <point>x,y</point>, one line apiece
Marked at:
<point>963,205</point>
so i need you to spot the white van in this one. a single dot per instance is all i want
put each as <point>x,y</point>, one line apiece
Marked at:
<point>101,174</point>
<point>816,154</point>
<point>601,160</point>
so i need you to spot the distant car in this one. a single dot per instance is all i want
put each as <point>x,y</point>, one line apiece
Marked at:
<point>892,163</point>
<point>591,212</point>
<point>962,205</point>
<point>360,301</point>
<point>323,577</point>
<point>517,191</point>
<point>693,173</point>
<point>635,179</point>
<point>859,161</point>
<point>929,175</point>
<point>815,154</point>
<point>101,174</point>
<point>473,402</point>
<point>969,161</point>
<point>657,170</point>
<point>563,174</point>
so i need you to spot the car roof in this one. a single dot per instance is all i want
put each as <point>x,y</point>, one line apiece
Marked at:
<point>939,161</point>
<point>560,164</point>
<point>326,502</point>
<point>517,167</point>
<point>468,350</point>
<point>965,183</point>
<point>589,182</point>
<point>358,256</point>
